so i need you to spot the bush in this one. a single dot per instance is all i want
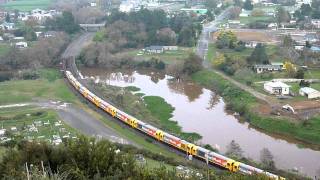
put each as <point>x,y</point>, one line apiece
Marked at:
<point>5,76</point>
<point>29,75</point>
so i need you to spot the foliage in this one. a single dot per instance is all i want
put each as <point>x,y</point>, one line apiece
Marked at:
<point>266,159</point>
<point>282,15</point>
<point>234,150</point>
<point>300,74</point>
<point>219,61</point>
<point>259,55</point>
<point>287,41</point>
<point>259,24</point>
<point>65,23</point>
<point>210,4</point>
<point>192,64</point>
<point>226,39</point>
<point>290,69</point>
<point>247,5</point>
<point>43,53</point>
<point>304,83</point>
<point>257,13</point>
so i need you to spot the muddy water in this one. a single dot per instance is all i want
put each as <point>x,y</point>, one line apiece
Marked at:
<point>200,110</point>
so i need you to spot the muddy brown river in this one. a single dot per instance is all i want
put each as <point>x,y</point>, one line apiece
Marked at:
<point>203,111</point>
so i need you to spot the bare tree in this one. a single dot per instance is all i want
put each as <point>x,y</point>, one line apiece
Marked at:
<point>88,15</point>
<point>234,150</point>
<point>266,159</point>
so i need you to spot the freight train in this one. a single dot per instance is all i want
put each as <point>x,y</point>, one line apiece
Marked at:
<point>180,144</point>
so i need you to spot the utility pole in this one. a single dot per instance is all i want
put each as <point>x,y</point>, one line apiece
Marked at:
<point>28,176</point>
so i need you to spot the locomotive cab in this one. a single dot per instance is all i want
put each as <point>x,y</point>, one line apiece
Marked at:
<point>159,135</point>
<point>232,165</point>
<point>192,149</point>
<point>113,112</point>
<point>133,123</point>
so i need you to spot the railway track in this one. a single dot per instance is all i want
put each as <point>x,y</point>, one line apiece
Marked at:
<point>178,145</point>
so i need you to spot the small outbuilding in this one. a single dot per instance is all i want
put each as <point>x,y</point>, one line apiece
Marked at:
<point>155,49</point>
<point>260,68</point>
<point>310,93</point>
<point>21,45</point>
<point>276,88</point>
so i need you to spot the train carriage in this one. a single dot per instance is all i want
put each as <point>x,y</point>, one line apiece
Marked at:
<point>150,130</point>
<point>172,140</point>
<point>183,145</point>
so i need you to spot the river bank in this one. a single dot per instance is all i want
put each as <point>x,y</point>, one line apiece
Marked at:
<point>243,103</point>
<point>197,109</point>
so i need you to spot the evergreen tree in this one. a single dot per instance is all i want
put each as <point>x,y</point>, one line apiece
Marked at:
<point>266,159</point>
<point>234,150</point>
<point>282,15</point>
<point>8,17</point>
<point>247,5</point>
<point>259,55</point>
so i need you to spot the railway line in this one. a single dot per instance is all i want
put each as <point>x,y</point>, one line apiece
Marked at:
<point>191,150</point>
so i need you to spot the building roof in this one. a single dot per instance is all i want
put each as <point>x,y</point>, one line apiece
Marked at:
<point>276,84</point>
<point>266,66</point>
<point>7,24</point>
<point>277,63</point>
<point>315,48</point>
<point>308,90</point>
<point>154,48</point>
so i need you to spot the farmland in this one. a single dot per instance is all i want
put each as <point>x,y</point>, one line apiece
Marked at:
<point>27,5</point>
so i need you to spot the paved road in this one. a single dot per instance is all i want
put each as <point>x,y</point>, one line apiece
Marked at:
<point>202,49</point>
<point>81,120</point>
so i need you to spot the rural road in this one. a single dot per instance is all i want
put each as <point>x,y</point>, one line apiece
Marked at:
<point>81,120</point>
<point>202,50</point>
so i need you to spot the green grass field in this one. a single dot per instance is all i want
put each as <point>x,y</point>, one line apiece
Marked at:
<point>4,48</point>
<point>49,86</point>
<point>167,57</point>
<point>250,19</point>
<point>27,5</point>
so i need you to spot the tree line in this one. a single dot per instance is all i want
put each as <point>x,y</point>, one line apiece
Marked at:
<point>88,158</point>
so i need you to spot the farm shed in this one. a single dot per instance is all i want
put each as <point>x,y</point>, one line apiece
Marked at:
<point>277,88</point>
<point>310,93</point>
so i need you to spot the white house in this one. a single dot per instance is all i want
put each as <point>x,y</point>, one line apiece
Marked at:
<point>1,38</point>
<point>155,49</point>
<point>310,93</point>
<point>276,87</point>
<point>170,48</point>
<point>260,68</point>
<point>300,2</point>
<point>7,26</point>
<point>21,45</point>
<point>245,13</point>
<point>93,4</point>
<point>316,23</point>
<point>251,44</point>
<point>2,132</point>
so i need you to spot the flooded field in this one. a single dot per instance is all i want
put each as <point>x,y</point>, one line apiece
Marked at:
<point>203,111</point>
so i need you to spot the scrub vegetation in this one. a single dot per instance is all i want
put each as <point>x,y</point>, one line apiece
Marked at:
<point>151,109</point>
<point>90,159</point>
